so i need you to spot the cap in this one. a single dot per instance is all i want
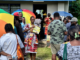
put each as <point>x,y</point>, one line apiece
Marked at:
<point>74,19</point>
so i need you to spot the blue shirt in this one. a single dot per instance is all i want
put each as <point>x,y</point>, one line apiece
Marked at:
<point>68,25</point>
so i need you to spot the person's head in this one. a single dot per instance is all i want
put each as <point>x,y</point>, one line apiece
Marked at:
<point>68,18</point>
<point>32,19</point>
<point>49,15</point>
<point>74,21</point>
<point>20,14</point>
<point>60,19</point>
<point>23,20</point>
<point>8,28</point>
<point>65,20</point>
<point>56,16</point>
<point>74,33</point>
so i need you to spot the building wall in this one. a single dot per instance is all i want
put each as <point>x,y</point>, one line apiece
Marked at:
<point>51,6</point>
<point>63,6</point>
<point>60,6</point>
<point>26,5</point>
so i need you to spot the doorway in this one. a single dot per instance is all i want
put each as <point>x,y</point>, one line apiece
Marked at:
<point>40,7</point>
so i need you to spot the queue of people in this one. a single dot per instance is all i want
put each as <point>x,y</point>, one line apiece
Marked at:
<point>58,32</point>
<point>65,38</point>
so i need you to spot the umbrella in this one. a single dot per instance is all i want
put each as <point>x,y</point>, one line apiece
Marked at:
<point>5,18</point>
<point>63,13</point>
<point>26,13</point>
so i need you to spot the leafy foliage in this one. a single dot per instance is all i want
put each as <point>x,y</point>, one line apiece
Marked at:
<point>75,8</point>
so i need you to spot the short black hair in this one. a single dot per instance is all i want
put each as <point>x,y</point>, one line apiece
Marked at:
<point>49,14</point>
<point>56,14</point>
<point>31,17</point>
<point>64,19</point>
<point>69,17</point>
<point>72,31</point>
<point>50,18</point>
<point>60,19</point>
<point>8,28</point>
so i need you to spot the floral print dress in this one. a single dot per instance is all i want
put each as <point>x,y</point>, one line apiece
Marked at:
<point>31,41</point>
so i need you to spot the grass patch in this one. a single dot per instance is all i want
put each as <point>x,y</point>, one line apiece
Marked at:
<point>43,54</point>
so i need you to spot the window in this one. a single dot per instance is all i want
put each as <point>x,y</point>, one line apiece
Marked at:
<point>4,7</point>
<point>14,8</point>
<point>10,7</point>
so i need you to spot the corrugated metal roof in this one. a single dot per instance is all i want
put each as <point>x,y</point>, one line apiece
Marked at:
<point>37,0</point>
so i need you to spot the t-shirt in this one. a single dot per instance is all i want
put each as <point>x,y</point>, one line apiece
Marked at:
<point>57,29</point>
<point>8,44</point>
<point>68,25</point>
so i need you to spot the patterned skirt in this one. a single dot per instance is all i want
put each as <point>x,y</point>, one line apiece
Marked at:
<point>31,44</point>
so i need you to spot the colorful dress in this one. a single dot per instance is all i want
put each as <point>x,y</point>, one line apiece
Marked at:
<point>31,41</point>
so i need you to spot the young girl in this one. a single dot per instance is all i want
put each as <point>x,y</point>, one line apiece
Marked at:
<point>31,40</point>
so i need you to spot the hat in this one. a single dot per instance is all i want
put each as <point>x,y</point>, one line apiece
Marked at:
<point>74,19</point>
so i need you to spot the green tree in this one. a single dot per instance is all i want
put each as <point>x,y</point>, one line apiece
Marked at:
<point>75,8</point>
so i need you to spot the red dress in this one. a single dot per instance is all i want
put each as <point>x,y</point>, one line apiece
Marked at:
<point>47,23</point>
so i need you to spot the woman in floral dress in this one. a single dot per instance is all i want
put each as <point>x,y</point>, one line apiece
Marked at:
<point>31,40</point>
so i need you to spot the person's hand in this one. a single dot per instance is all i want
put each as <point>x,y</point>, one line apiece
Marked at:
<point>31,30</point>
<point>33,26</point>
<point>9,56</point>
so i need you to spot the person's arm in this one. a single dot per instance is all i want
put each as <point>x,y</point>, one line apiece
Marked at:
<point>20,42</point>
<point>25,30</point>
<point>49,30</point>
<point>5,54</point>
<point>64,29</point>
<point>65,33</point>
<point>49,33</point>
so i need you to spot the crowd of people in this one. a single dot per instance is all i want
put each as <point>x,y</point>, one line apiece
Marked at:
<point>58,32</point>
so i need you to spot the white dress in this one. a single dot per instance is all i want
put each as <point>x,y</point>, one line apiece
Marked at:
<point>8,44</point>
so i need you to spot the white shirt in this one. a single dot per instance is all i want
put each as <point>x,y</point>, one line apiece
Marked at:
<point>8,43</point>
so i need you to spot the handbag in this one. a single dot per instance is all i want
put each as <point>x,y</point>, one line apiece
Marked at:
<point>65,52</point>
<point>19,51</point>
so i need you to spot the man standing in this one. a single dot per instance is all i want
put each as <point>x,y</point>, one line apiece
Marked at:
<point>74,21</point>
<point>56,29</point>
<point>69,23</point>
